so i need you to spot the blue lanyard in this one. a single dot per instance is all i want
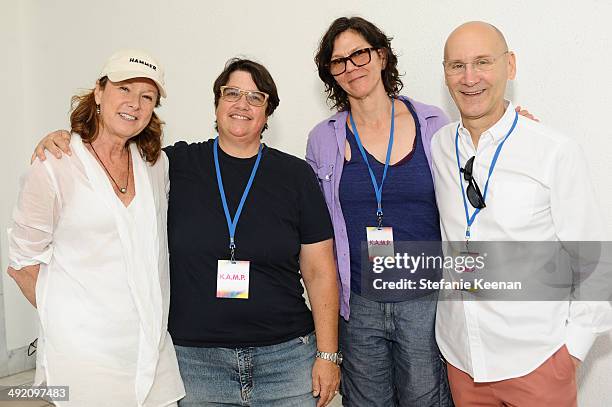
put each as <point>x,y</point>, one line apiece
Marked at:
<point>231,223</point>
<point>470,219</point>
<point>377,189</point>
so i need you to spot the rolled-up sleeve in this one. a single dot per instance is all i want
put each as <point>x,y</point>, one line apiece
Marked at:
<point>35,215</point>
<point>578,220</point>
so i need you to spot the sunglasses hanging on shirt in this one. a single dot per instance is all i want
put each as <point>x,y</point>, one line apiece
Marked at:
<point>473,193</point>
<point>476,199</point>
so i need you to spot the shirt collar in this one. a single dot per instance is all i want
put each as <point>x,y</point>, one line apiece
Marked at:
<point>496,132</point>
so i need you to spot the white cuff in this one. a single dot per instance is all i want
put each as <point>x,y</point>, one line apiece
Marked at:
<point>579,340</point>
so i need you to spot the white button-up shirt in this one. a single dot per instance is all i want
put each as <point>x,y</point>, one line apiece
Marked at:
<point>103,286</point>
<point>540,190</point>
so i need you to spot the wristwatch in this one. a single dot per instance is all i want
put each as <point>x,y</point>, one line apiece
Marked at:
<point>332,357</point>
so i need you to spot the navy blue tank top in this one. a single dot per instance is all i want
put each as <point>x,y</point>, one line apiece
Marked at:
<point>408,199</point>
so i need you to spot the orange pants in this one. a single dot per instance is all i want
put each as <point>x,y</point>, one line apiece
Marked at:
<point>553,384</point>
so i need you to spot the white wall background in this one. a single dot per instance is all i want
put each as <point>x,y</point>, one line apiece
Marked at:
<point>51,49</point>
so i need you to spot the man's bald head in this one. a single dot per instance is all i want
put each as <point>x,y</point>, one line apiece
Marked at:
<point>477,67</point>
<point>476,28</point>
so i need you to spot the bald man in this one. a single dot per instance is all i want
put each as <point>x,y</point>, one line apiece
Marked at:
<point>502,177</point>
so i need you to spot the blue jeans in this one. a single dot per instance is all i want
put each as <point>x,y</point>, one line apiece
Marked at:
<point>390,355</point>
<point>275,376</point>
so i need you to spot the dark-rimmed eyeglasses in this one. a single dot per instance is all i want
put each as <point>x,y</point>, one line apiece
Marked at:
<point>358,58</point>
<point>473,192</point>
<point>481,64</point>
<point>253,97</point>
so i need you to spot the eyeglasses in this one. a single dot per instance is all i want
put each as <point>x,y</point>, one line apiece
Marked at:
<point>482,64</point>
<point>358,58</point>
<point>253,97</point>
<point>472,191</point>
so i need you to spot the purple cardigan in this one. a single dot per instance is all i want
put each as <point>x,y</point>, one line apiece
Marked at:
<point>325,153</point>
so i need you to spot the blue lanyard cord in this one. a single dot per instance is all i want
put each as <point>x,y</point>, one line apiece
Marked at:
<point>231,223</point>
<point>377,189</point>
<point>470,219</point>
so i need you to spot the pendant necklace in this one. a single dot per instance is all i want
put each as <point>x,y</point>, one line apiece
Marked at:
<point>123,190</point>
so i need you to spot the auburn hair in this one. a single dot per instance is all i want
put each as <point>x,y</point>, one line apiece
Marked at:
<point>85,121</point>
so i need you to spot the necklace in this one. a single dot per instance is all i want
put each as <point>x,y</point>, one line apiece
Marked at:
<point>127,181</point>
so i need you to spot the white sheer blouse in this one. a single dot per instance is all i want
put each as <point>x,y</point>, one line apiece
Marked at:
<point>103,286</point>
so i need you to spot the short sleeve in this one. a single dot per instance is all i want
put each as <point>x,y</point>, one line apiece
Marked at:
<point>172,150</point>
<point>166,163</point>
<point>315,223</point>
<point>169,151</point>
<point>34,218</point>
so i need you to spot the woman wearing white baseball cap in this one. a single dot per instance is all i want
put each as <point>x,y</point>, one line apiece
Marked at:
<point>88,246</point>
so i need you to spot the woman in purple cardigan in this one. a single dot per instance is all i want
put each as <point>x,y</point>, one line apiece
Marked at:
<point>373,162</point>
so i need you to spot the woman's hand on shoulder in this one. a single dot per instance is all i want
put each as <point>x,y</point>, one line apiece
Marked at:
<point>525,112</point>
<point>56,143</point>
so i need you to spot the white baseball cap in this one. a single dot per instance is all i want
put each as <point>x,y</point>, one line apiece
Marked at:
<point>134,63</point>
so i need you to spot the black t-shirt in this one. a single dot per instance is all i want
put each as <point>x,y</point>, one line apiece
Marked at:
<point>284,209</point>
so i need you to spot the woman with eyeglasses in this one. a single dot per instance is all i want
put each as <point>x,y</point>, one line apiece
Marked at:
<point>244,220</point>
<point>373,162</point>
<point>246,223</point>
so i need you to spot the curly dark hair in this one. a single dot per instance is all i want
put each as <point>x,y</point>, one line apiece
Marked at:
<point>260,75</point>
<point>336,96</point>
<point>85,122</point>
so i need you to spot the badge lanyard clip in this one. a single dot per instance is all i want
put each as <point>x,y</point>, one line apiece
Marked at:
<point>232,248</point>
